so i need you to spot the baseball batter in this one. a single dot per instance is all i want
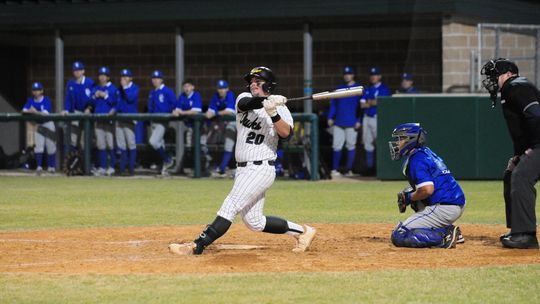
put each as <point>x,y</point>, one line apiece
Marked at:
<point>261,120</point>
<point>44,135</point>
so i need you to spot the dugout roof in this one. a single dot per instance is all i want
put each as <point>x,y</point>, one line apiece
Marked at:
<point>198,14</point>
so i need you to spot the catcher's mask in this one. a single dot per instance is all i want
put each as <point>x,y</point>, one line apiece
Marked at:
<point>413,135</point>
<point>492,70</point>
<point>265,74</point>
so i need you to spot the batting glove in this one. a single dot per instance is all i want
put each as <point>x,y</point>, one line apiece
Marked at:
<point>270,107</point>
<point>279,100</point>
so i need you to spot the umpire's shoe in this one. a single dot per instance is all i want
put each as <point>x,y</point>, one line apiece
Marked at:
<point>304,240</point>
<point>520,241</point>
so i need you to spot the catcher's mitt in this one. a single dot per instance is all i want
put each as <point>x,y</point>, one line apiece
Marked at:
<point>73,163</point>
<point>404,198</point>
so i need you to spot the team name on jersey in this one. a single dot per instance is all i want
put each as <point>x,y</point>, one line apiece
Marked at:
<point>254,125</point>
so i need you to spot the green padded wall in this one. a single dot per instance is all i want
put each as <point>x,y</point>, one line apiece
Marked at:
<point>470,136</point>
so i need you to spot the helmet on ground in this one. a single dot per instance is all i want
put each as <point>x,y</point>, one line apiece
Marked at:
<point>265,74</point>
<point>408,136</point>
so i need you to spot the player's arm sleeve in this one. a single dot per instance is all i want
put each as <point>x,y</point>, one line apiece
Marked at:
<point>197,102</point>
<point>150,104</point>
<point>27,105</point>
<point>212,106</point>
<point>47,105</point>
<point>132,94</point>
<point>332,109</point>
<point>286,115</point>
<point>419,172</point>
<point>171,97</point>
<point>249,103</point>
<point>230,102</point>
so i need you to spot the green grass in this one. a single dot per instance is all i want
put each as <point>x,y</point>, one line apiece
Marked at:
<point>45,203</point>
<point>39,203</point>
<point>518,284</point>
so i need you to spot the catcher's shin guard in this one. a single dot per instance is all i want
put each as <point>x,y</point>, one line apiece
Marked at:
<point>418,237</point>
<point>211,233</point>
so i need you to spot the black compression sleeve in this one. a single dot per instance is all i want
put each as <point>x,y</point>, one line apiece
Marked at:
<point>250,103</point>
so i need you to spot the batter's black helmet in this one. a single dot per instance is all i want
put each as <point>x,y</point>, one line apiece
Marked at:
<point>265,74</point>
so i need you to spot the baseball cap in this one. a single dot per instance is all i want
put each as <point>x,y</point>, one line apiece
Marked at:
<point>407,76</point>
<point>126,72</point>
<point>36,86</point>
<point>374,71</point>
<point>104,71</point>
<point>348,70</point>
<point>157,74</point>
<point>222,84</point>
<point>77,65</point>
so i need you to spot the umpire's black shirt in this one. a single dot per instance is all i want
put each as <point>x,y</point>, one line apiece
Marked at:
<point>520,102</point>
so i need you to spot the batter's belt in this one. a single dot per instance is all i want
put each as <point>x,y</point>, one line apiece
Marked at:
<point>257,162</point>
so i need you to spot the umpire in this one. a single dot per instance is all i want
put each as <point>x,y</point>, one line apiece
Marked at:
<point>520,103</point>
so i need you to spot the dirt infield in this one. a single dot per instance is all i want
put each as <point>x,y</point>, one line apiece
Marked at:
<point>337,247</point>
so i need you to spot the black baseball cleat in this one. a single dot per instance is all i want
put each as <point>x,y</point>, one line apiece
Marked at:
<point>502,236</point>
<point>520,241</point>
<point>451,236</point>
<point>459,239</point>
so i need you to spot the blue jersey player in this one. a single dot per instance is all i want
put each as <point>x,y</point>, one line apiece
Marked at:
<point>407,84</point>
<point>369,121</point>
<point>45,133</point>
<point>161,100</point>
<point>125,130</point>
<point>344,121</point>
<point>78,100</point>
<point>434,194</point>
<point>105,101</point>
<point>222,104</point>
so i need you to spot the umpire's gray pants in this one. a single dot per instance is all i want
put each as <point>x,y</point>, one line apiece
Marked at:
<point>434,216</point>
<point>343,135</point>
<point>523,193</point>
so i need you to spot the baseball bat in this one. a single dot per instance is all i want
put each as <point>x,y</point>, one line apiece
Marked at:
<point>339,93</point>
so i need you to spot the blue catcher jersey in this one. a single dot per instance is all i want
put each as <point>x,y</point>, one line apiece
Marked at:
<point>424,167</point>
<point>217,104</point>
<point>107,103</point>
<point>372,93</point>
<point>127,102</point>
<point>78,95</point>
<point>161,100</point>
<point>343,110</point>
<point>42,105</point>
<point>191,102</point>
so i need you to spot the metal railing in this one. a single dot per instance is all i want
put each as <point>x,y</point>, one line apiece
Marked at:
<point>88,119</point>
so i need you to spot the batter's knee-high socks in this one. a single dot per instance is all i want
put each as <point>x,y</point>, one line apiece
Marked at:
<point>39,159</point>
<point>102,156</point>
<point>370,158</point>
<point>164,155</point>
<point>226,158</point>
<point>123,159</point>
<point>132,159</point>
<point>212,232</point>
<point>350,159</point>
<point>335,159</point>
<point>51,160</point>
<point>278,225</point>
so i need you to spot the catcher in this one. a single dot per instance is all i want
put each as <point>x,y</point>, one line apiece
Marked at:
<point>434,194</point>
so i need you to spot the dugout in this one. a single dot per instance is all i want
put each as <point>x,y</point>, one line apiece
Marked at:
<point>305,42</point>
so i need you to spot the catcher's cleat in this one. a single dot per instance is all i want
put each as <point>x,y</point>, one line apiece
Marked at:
<point>450,238</point>
<point>182,249</point>
<point>305,239</point>
<point>460,239</point>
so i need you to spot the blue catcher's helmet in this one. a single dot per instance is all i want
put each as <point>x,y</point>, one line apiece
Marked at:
<point>408,136</point>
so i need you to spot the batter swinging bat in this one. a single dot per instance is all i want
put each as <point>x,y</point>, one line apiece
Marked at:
<point>340,93</point>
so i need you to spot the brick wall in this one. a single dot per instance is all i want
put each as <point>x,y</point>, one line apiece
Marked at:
<point>210,56</point>
<point>460,39</point>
